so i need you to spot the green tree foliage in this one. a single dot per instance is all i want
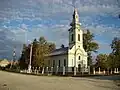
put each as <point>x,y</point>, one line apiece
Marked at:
<point>102,61</point>
<point>115,55</point>
<point>113,59</point>
<point>89,45</point>
<point>34,49</point>
<point>23,59</point>
<point>40,49</point>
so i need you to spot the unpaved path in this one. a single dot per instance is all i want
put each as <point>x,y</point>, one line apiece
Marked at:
<point>12,81</point>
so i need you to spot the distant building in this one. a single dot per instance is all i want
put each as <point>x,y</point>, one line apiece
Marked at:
<point>4,63</point>
<point>72,56</point>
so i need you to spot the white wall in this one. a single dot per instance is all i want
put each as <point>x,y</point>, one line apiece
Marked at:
<point>57,58</point>
<point>72,58</point>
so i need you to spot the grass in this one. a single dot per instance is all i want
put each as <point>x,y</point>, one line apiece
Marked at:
<point>46,74</point>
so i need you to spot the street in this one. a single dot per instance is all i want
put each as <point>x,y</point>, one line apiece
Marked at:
<point>13,81</point>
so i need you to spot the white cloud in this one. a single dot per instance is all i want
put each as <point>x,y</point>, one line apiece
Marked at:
<point>7,44</point>
<point>58,15</point>
<point>103,30</point>
<point>24,26</point>
<point>15,9</point>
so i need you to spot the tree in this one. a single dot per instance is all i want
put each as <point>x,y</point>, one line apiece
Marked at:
<point>34,49</point>
<point>115,46</point>
<point>89,45</point>
<point>42,49</point>
<point>23,59</point>
<point>111,61</point>
<point>62,46</point>
<point>102,61</point>
<point>52,47</point>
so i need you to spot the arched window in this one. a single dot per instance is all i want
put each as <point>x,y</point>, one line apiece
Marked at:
<point>53,63</point>
<point>79,58</point>
<point>48,62</point>
<point>72,36</point>
<point>64,62</point>
<point>78,37</point>
<point>59,63</point>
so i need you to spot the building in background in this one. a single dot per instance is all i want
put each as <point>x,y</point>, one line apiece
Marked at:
<point>4,63</point>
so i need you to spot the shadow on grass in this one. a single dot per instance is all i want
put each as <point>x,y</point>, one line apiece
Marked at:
<point>110,77</point>
<point>101,77</point>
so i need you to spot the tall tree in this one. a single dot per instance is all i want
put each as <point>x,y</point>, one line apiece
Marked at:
<point>102,61</point>
<point>89,45</point>
<point>111,61</point>
<point>43,48</point>
<point>34,49</point>
<point>52,47</point>
<point>115,46</point>
<point>23,59</point>
<point>40,49</point>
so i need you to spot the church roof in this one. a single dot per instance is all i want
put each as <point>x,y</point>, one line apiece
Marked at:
<point>59,51</point>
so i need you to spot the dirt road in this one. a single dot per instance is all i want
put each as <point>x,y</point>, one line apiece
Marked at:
<point>12,81</point>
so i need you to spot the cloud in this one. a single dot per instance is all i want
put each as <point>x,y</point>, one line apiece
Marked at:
<point>104,47</point>
<point>60,33</point>
<point>28,19</point>
<point>7,44</point>
<point>14,9</point>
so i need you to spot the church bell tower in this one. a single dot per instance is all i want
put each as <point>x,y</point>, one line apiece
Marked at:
<point>75,33</point>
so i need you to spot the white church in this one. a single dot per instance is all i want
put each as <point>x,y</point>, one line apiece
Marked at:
<point>72,57</point>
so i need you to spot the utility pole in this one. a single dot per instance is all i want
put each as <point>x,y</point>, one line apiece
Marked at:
<point>29,66</point>
<point>14,57</point>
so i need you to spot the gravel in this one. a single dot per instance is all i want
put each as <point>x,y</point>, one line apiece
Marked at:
<point>13,81</point>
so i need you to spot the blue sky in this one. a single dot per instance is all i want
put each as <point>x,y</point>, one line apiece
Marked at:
<point>24,20</point>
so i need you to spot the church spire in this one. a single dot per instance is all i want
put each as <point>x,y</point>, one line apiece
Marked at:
<point>75,20</point>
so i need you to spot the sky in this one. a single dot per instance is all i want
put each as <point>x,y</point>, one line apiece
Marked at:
<point>23,20</point>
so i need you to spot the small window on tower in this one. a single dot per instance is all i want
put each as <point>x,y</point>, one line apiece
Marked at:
<point>72,37</point>
<point>78,37</point>
<point>79,57</point>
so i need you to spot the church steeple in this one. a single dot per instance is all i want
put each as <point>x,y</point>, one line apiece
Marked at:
<point>75,33</point>
<point>75,20</point>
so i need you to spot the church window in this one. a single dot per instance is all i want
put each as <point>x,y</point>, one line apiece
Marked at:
<point>78,37</point>
<point>64,62</point>
<point>53,63</point>
<point>48,62</point>
<point>72,37</point>
<point>59,63</point>
<point>79,58</point>
<point>72,69</point>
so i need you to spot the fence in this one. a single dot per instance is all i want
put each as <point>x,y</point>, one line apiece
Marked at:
<point>108,71</point>
<point>58,71</point>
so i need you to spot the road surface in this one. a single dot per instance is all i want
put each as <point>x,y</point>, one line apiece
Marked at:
<point>13,81</point>
<point>115,77</point>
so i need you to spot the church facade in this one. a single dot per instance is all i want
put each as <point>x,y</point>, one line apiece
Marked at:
<point>73,56</point>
